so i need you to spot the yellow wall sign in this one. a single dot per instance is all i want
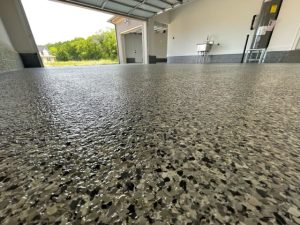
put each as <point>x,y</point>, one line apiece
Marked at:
<point>273,8</point>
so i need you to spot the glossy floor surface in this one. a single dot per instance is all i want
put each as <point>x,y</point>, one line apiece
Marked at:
<point>155,144</point>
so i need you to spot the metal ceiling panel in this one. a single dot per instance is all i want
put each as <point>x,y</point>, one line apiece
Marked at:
<point>124,9</point>
<point>146,6</point>
<point>139,9</point>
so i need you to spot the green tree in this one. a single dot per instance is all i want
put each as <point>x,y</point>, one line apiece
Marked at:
<point>102,45</point>
<point>62,55</point>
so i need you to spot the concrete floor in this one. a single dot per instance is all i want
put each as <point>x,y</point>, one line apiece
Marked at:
<point>160,144</point>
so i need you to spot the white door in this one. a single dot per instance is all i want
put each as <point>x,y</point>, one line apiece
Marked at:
<point>138,46</point>
<point>134,47</point>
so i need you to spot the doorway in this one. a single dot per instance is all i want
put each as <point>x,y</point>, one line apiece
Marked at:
<point>133,46</point>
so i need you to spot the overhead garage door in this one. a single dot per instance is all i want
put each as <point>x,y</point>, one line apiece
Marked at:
<point>139,9</point>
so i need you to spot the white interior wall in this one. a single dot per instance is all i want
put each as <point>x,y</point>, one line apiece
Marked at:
<point>163,17</point>
<point>134,46</point>
<point>298,44</point>
<point>14,19</point>
<point>160,44</point>
<point>4,39</point>
<point>227,21</point>
<point>150,34</point>
<point>285,36</point>
<point>9,58</point>
<point>157,42</point>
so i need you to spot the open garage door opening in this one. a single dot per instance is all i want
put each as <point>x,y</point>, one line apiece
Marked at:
<point>68,35</point>
<point>139,35</point>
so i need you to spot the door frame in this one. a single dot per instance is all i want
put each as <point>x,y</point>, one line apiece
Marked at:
<point>144,42</point>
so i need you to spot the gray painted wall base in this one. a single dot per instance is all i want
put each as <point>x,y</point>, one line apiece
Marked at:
<point>283,57</point>
<point>192,59</point>
<point>276,57</point>
<point>130,60</point>
<point>153,59</point>
<point>271,57</point>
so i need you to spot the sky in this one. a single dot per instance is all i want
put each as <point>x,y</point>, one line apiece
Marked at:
<point>51,21</point>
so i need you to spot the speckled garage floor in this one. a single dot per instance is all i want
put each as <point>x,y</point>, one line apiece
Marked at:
<point>157,144</point>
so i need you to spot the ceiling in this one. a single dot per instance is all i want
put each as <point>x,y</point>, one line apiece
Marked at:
<point>139,9</point>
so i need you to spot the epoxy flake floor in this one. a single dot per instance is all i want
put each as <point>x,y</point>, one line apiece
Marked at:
<point>155,144</point>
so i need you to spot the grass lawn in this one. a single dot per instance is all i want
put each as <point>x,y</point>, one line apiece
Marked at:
<point>81,63</point>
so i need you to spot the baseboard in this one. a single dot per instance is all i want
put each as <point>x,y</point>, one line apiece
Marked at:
<point>130,60</point>
<point>283,57</point>
<point>153,59</point>
<point>193,59</point>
